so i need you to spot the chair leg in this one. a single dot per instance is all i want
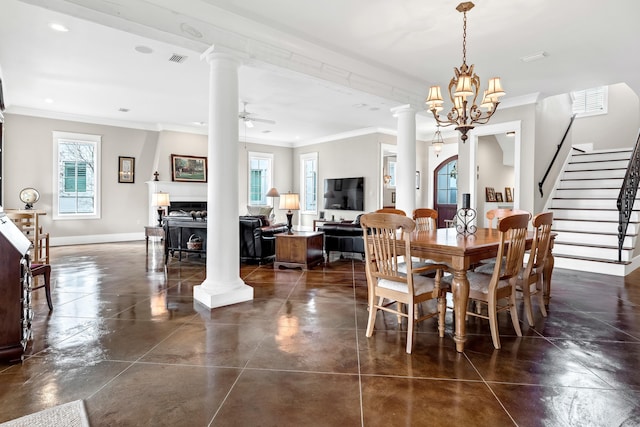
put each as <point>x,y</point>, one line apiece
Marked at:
<point>442,311</point>
<point>410,323</point>
<point>47,286</point>
<point>493,323</point>
<point>514,313</point>
<point>526,296</point>
<point>540,294</point>
<point>373,309</point>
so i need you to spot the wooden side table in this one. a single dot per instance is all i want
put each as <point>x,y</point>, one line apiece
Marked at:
<point>152,230</point>
<point>299,249</point>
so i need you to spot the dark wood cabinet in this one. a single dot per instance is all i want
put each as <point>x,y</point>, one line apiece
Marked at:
<point>301,249</point>
<point>15,305</point>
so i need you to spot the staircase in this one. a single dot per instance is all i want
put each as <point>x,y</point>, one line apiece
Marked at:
<point>585,216</point>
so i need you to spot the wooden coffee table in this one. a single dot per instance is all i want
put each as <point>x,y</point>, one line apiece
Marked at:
<point>299,249</point>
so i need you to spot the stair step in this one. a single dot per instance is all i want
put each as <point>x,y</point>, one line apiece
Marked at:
<point>589,251</point>
<point>591,183</point>
<point>592,259</point>
<point>606,227</point>
<point>588,193</point>
<point>569,203</point>
<point>598,165</point>
<point>591,214</point>
<point>576,238</point>
<point>599,174</point>
<point>602,155</point>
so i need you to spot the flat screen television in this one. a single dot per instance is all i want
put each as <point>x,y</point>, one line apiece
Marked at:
<point>345,194</point>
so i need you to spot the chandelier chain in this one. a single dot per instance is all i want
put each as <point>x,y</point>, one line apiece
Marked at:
<point>464,38</point>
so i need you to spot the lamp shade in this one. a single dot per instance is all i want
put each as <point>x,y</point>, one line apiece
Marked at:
<point>160,199</point>
<point>290,201</point>
<point>273,192</point>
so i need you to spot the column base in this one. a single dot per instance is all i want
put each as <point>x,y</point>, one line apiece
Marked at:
<point>221,295</point>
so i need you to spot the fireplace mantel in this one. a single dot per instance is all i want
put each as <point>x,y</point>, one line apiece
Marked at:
<point>178,192</point>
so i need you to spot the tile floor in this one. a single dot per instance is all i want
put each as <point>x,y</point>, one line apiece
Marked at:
<point>126,337</point>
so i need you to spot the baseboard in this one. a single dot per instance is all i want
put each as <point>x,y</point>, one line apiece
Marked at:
<point>96,238</point>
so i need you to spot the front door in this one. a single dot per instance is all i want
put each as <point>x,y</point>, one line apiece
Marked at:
<point>445,190</point>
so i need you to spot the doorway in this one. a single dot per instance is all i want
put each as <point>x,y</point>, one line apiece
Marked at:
<point>445,189</point>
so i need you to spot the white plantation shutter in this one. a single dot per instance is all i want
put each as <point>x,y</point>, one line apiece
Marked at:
<point>590,102</point>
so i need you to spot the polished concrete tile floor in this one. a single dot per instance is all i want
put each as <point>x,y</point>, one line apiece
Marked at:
<point>126,337</point>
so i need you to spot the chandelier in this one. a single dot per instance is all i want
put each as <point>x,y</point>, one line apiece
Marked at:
<point>465,113</point>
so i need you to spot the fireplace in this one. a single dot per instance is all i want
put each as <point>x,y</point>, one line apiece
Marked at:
<point>186,196</point>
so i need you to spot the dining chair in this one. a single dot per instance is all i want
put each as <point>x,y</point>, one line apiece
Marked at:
<point>531,275</point>
<point>530,281</point>
<point>425,218</point>
<point>392,211</point>
<point>490,289</point>
<point>500,213</point>
<point>26,223</point>
<point>387,244</point>
<point>45,271</point>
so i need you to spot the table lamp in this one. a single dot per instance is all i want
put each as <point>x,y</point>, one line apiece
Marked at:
<point>290,201</point>
<point>161,200</point>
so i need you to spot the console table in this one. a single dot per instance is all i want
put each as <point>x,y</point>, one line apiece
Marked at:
<point>177,232</point>
<point>299,249</point>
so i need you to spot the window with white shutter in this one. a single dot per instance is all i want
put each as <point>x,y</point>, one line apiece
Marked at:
<point>590,102</point>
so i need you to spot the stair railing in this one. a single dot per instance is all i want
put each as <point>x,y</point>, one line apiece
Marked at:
<point>627,195</point>
<point>541,183</point>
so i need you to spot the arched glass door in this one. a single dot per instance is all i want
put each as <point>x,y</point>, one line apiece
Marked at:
<point>445,189</point>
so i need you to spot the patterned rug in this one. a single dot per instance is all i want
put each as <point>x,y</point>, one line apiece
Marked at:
<point>68,415</point>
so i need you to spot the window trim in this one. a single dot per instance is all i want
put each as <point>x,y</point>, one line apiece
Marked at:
<point>261,156</point>
<point>84,138</point>
<point>303,189</point>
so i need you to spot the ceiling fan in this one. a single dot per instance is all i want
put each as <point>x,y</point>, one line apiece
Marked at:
<point>248,118</point>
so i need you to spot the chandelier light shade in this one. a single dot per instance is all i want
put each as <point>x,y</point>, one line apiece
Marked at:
<point>464,88</point>
<point>437,141</point>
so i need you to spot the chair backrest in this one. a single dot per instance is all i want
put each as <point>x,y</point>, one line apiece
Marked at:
<point>501,213</point>
<point>425,218</point>
<point>383,233</point>
<point>541,240</point>
<point>513,239</point>
<point>24,221</point>
<point>392,211</point>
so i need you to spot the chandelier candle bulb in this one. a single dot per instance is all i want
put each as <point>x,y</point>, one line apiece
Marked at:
<point>466,201</point>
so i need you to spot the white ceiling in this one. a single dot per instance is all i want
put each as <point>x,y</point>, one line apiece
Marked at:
<point>316,68</point>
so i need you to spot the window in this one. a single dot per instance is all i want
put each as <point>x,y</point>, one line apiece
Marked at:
<point>590,102</point>
<point>309,185</point>
<point>447,186</point>
<point>260,171</point>
<point>76,185</point>
<point>392,173</point>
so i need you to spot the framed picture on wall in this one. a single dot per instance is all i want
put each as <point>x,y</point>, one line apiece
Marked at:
<point>126,169</point>
<point>499,197</point>
<point>188,168</point>
<point>491,194</point>
<point>508,195</point>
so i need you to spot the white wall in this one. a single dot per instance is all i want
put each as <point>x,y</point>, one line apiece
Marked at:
<point>492,172</point>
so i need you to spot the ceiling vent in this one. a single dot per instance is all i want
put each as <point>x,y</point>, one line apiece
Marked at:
<point>177,58</point>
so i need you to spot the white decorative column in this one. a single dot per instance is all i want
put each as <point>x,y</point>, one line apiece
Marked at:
<point>406,163</point>
<point>222,285</point>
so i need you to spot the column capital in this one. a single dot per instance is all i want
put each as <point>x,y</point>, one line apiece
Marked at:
<point>211,55</point>
<point>403,109</point>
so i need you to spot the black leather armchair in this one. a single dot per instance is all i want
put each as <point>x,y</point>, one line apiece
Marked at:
<point>257,240</point>
<point>343,237</point>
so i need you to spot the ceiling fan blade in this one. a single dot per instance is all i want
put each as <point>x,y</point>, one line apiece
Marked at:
<point>271,122</point>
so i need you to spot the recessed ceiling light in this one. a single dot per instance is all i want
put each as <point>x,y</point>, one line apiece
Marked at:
<point>48,100</point>
<point>534,57</point>
<point>511,133</point>
<point>144,49</point>
<point>266,131</point>
<point>58,27</point>
<point>374,108</point>
<point>360,105</point>
<point>123,110</point>
<point>189,30</point>
<point>199,123</point>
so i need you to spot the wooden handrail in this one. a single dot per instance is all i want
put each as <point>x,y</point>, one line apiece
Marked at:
<point>541,183</point>
<point>627,195</point>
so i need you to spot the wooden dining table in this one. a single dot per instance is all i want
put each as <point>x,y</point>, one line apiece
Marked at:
<point>461,252</point>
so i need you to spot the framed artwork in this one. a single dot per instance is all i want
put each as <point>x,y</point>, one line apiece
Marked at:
<point>508,195</point>
<point>491,194</point>
<point>417,180</point>
<point>499,197</point>
<point>393,197</point>
<point>188,168</point>
<point>126,169</point>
